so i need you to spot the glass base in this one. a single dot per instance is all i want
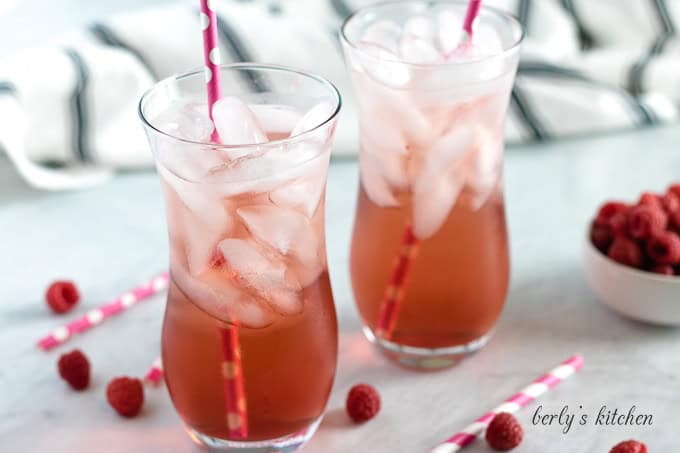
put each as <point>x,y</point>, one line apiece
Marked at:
<point>426,358</point>
<point>285,444</point>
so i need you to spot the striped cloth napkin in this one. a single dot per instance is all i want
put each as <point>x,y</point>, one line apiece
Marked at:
<point>68,112</point>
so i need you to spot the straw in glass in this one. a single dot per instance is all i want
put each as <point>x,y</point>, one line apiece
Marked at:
<point>234,394</point>
<point>389,310</point>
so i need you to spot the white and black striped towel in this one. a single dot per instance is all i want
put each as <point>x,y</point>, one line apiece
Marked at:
<point>68,111</point>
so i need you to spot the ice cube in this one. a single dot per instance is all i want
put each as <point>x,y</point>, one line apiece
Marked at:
<point>420,26</point>
<point>216,293</point>
<point>440,180</point>
<point>202,236</point>
<point>263,275</point>
<point>449,35</point>
<point>418,51</point>
<point>391,162</point>
<point>275,117</point>
<point>189,121</point>
<point>313,118</point>
<point>285,230</point>
<point>384,33</point>
<point>305,191</point>
<point>486,166</point>
<point>236,124</point>
<point>383,65</point>
<point>374,183</point>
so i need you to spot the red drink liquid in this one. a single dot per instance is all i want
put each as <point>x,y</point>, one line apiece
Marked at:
<point>456,284</point>
<point>288,367</point>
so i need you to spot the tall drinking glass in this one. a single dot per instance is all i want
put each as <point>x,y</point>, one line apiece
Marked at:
<point>429,255</point>
<point>250,333</point>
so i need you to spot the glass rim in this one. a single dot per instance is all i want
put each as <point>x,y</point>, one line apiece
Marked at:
<point>236,66</point>
<point>449,64</point>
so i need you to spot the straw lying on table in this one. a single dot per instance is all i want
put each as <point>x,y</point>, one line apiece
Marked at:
<point>511,405</point>
<point>98,315</point>
<point>234,394</point>
<point>155,374</point>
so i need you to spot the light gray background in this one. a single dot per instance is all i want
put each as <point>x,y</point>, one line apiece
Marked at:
<point>113,236</point>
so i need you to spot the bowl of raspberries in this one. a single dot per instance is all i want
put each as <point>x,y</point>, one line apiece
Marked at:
<point>632,256</point>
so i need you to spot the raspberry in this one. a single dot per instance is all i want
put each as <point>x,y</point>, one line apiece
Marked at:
<point>74,368</point>
<point>645,220</point>
<point>504,432</point>
<point>670,202</point>
<point>601,236</point>
<point>363,403</point>
<point>608,210</point>
<point>663,269</point>
<point>664,248</point>
<point>629,446</point>
<point>125,395</point>
<point>625,251</point>
<point>648,198</point>
<point>61,296</point>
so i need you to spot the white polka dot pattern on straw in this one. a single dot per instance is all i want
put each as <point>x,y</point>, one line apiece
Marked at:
<point>511,405</point>
<point>98,315</point>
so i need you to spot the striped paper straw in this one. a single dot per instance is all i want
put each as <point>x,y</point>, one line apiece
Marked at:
<point>155,374</point>
<point>234,394</point>
<point>98,315</point>
<point>470,16</point>
<point>511,405</point>
<point>394,294</point>
<point>232,373</point>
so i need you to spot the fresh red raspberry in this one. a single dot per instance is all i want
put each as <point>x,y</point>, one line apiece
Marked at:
<point>601,236</point>
<point>649,198</point>
<point>629,446</point>
<point>61,296</point>
<point>644,221</point>
<point>74,368</point>
<point>504,432</point>
<point>670,202</point>
<point>663,269</point>
<point>125,395</point>
<point>608,210</point>
<point>625,251</point>
<point>363,403</point>
<point>664,248</point>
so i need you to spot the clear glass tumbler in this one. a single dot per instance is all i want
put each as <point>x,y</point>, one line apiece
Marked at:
<point>429,255</point>
<point>250,333</point>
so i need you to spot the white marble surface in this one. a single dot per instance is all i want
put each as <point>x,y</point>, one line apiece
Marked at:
<point>111,237</point>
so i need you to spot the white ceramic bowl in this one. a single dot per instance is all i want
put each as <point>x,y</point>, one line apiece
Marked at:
<point>640,295</point>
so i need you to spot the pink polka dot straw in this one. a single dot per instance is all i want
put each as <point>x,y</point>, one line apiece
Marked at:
<point>98,315</point>
<point>511,405</point>
<point>232,368</point>
<point>155,374</point>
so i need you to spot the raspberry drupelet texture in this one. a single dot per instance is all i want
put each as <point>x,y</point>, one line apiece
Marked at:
<point>664,248</point>
<point>644,221</point>
<point>74,368</point>
<point>363,403</point>
<point>504,432</point>
<point>670,202</point>
<point>61,296</point>
<point>625,251</point>
<point>649,198</point>
<point>125,395</point>
<point>629,446</point>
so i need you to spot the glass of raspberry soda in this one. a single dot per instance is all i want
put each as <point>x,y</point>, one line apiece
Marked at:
<point>429,254</point>
<point>249,337</point>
